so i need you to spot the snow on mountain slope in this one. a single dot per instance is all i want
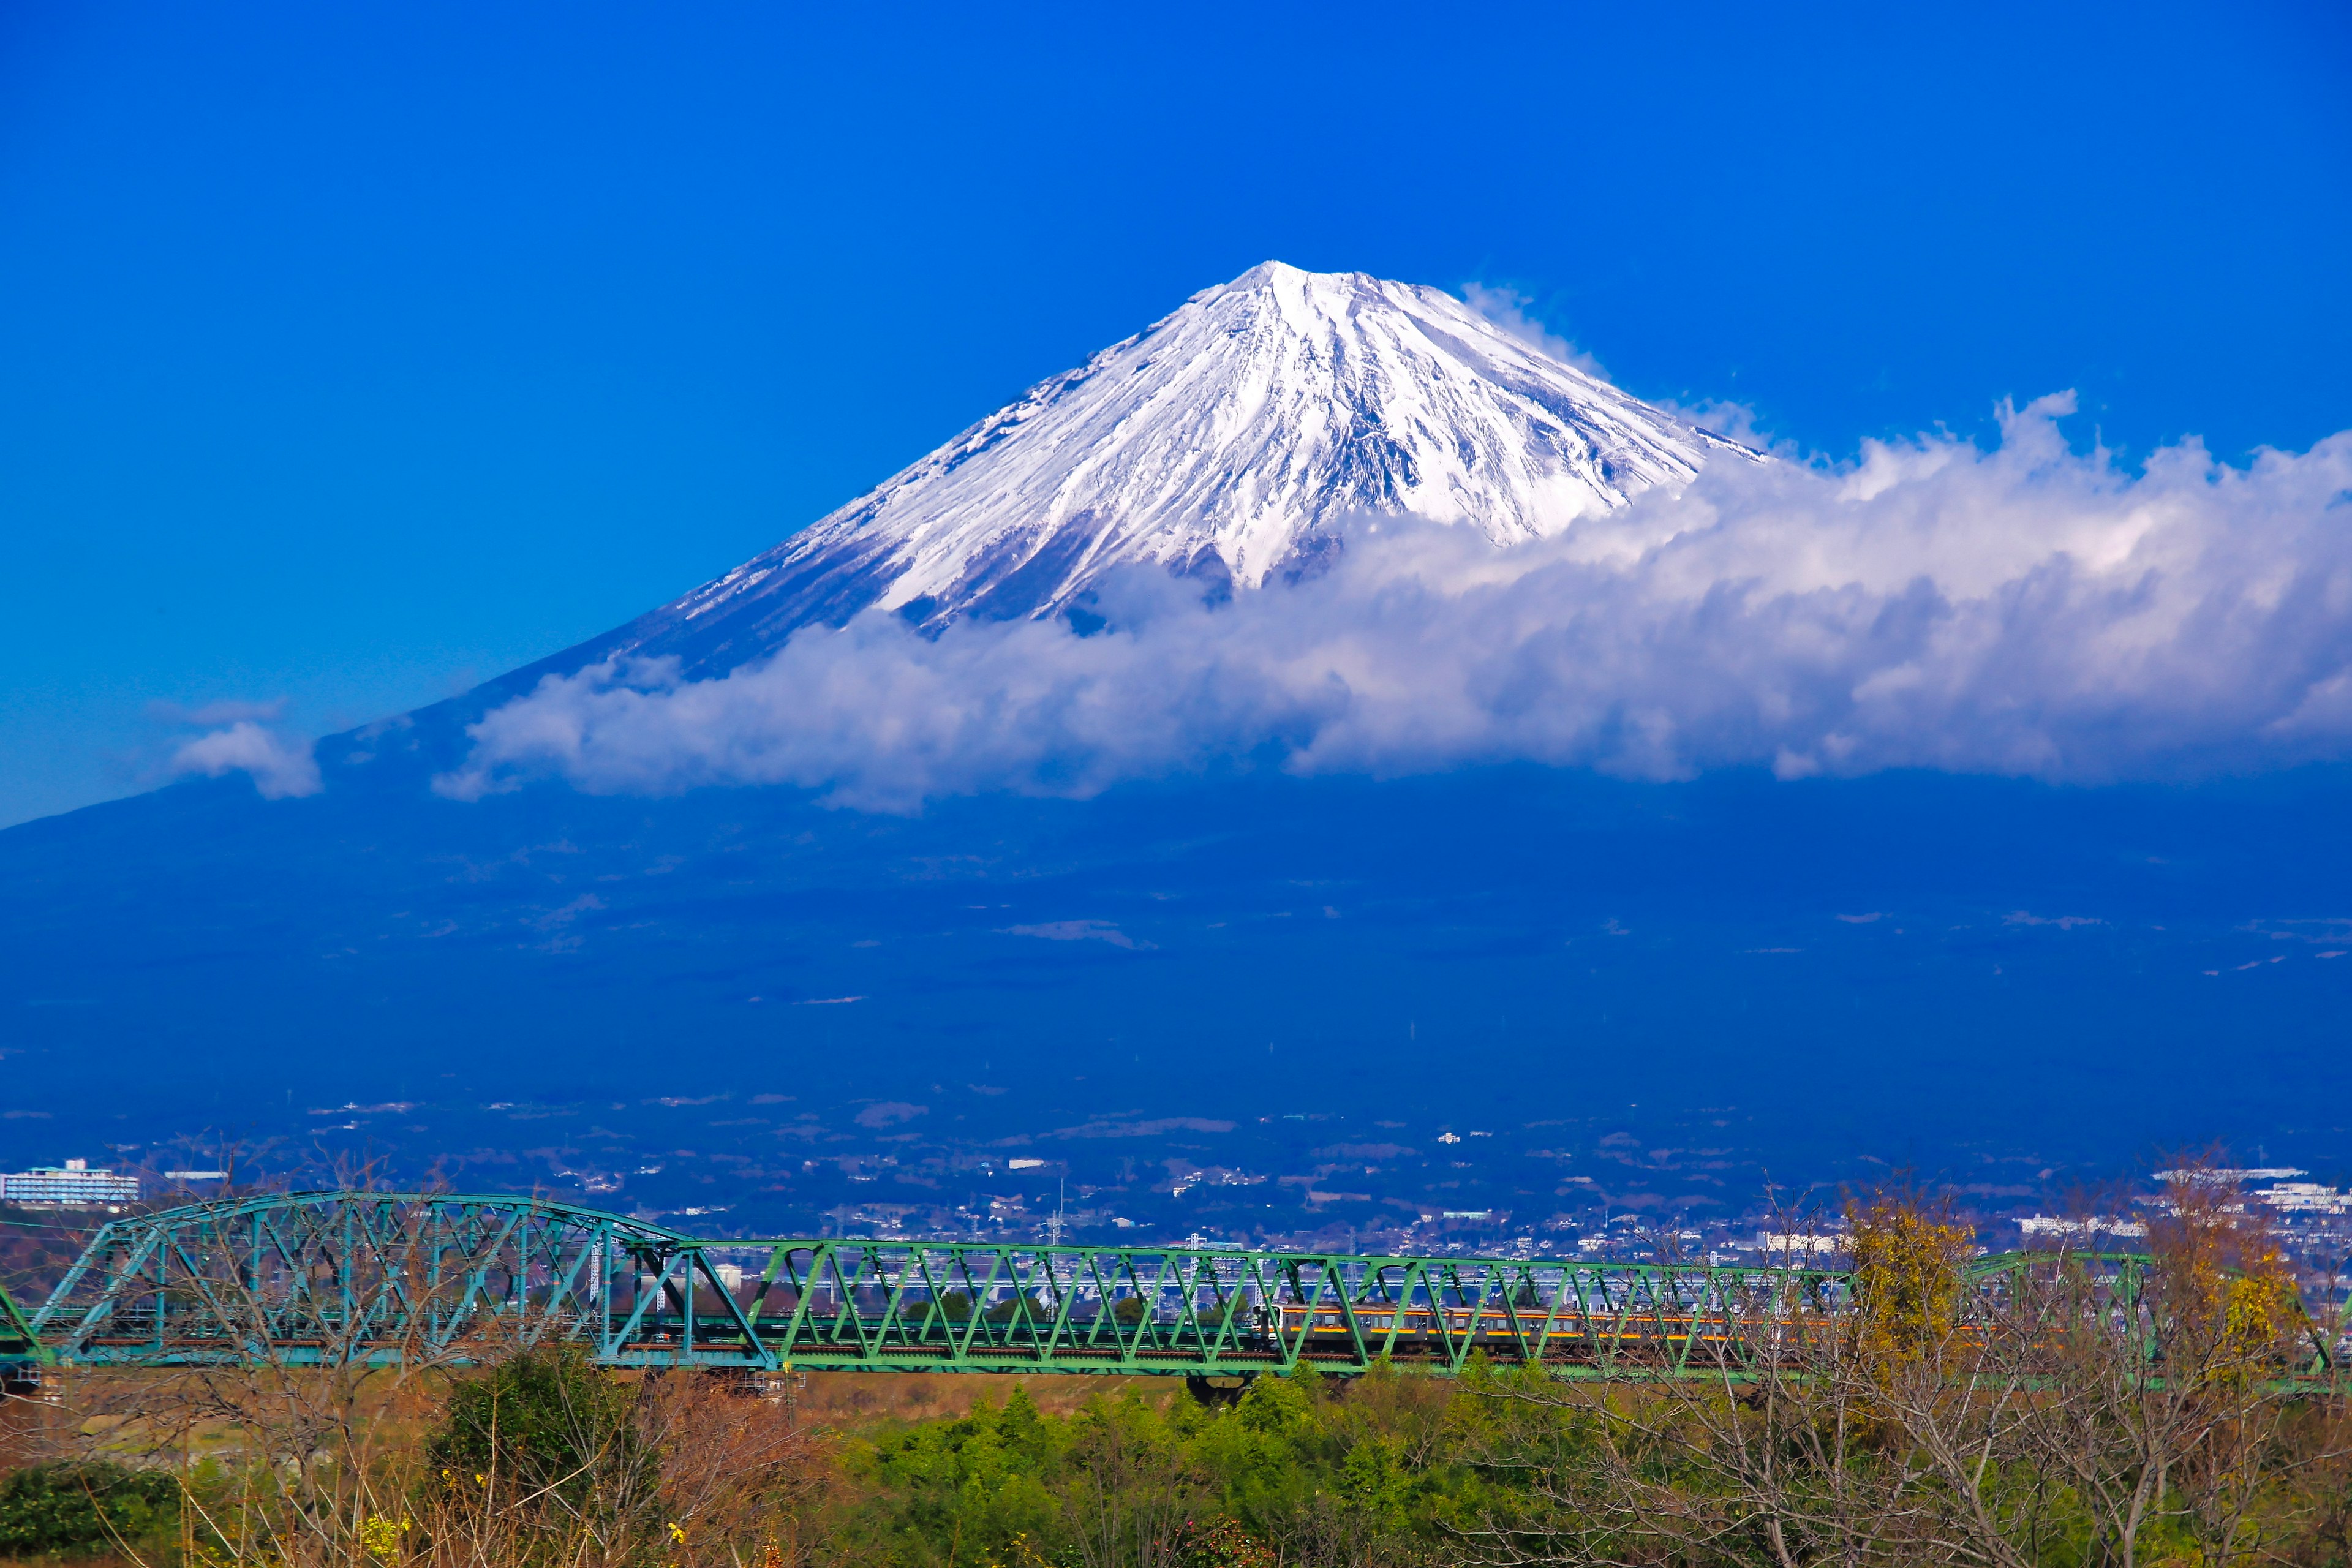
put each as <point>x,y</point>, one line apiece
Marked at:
<point>1223,442</point>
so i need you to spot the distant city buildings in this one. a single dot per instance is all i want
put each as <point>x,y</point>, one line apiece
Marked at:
<point>2286,1197</point>
<point>2306,1197</point>
<point>2045,1224</point>
<point>2231,1177</point>
<point>1801,1244</point>
<point>70,1186</point>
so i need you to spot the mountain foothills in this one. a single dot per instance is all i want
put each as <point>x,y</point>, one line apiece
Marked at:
<point>749,1000</point>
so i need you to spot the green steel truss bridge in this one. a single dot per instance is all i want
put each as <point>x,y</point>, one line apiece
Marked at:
<point>377,1279</point>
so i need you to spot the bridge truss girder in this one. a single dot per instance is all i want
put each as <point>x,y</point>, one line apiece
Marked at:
<point>374,1278</point>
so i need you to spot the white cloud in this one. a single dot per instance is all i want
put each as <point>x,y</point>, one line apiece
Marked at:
<point>2024,610</point>
<point>1732,421</point>
<point>1507,309</point>
<point>281,768</point>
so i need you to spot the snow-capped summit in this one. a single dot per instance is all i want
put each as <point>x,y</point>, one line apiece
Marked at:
<point>1224,442</point>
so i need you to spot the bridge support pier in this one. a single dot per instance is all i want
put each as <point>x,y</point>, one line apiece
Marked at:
<point>784,1384</point>
<point>22,1380</point>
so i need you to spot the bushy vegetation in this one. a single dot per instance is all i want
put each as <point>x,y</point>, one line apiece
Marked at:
<point>548,1435</point>
<point>81,1507</point>
<point>1513,1468</point>
<point>1294,1472</point>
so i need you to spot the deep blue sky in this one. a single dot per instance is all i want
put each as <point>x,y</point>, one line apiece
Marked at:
<point>355,353</point>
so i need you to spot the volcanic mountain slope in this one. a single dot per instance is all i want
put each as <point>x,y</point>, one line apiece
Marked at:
<point>1223,442</point>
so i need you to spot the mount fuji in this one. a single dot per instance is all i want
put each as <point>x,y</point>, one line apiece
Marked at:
<point>1876,962</point>
<point>1225,442</point>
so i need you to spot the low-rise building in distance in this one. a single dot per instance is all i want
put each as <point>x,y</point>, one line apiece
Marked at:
<point>70,1186</point>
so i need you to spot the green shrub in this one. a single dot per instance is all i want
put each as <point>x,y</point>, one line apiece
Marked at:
<point>62,1507</point>
<point>1293,1472</point>
<point>546,1423</point>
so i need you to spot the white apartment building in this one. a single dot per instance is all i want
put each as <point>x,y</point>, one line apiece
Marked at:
<point>70,1186</point>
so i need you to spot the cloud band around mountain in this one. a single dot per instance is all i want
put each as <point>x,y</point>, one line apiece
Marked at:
<point>2022,610</point>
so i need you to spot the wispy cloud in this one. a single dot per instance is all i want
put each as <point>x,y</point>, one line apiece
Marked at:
<point>281,767</point>
<point>2023,610</point>
<point>1507,309</point>
<point>1732,421</point>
